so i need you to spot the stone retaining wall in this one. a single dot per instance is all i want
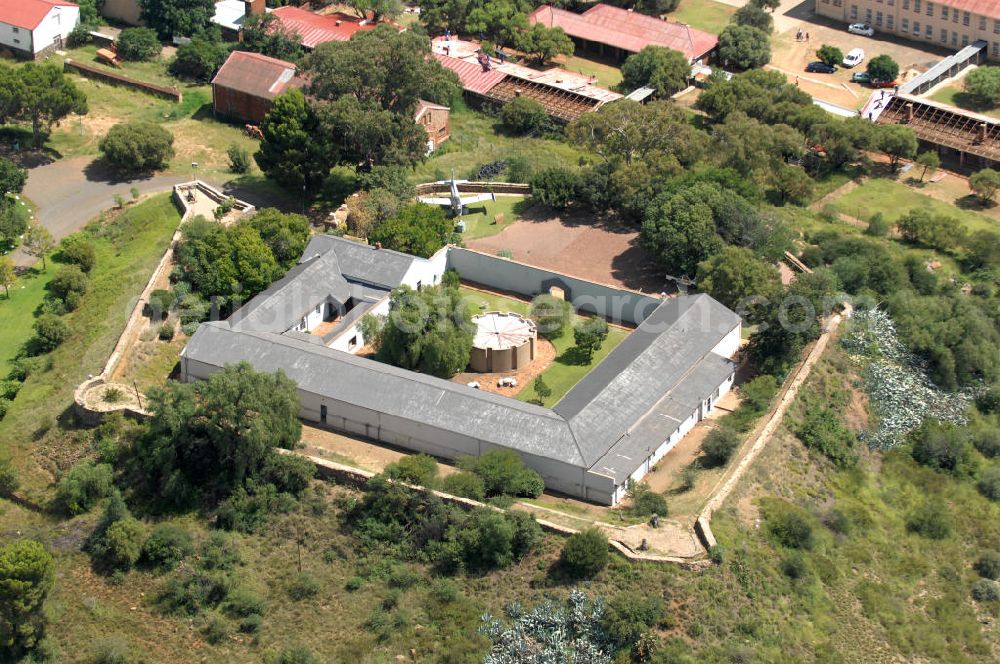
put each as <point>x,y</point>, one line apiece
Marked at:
<point>444,186</point>
<point>102,74</point>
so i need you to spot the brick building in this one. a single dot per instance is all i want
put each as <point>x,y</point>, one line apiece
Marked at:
<point>434,119</point>
<point>247,84</point>
<point>946,23</point>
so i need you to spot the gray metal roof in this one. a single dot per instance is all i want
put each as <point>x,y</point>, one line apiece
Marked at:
<point>650,362</point>
<point>287,300</point>
<point>406,394</point>
<point>362,262</point>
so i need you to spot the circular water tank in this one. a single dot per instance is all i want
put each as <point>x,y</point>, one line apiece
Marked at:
<point>503,342</point>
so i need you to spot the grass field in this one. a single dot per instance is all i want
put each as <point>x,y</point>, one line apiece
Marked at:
<point>956,96</point>
<point>893,200</point>
<point>128,249</point>
<point>568,368</point>
<point>608,75</point>
<point>474,142</point>
<point>704,15</point>
<point>479,218</point>
<point>18,311</point>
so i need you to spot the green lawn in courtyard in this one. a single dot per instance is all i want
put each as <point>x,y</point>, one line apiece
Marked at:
<point>128,249</point>
<point>479,217</point>
<point>706,15</point>
<point>894,200</point>
<point>566,371</point>
<point>608,75</point>
<point>18,312</point>
<point>956,96</point>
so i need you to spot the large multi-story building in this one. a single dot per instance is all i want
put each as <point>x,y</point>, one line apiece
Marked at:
<point>945,23</point>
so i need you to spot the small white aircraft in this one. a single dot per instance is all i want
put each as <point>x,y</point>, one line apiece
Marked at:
<point>455,200</point>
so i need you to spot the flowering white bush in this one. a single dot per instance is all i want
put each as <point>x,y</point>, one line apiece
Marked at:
<point>552,633</point>
<point>899,391</point>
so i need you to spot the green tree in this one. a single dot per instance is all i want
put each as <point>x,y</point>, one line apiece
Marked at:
<point>420,469</point>
<point>183,18</point>
<point>589,335</point>
<point>137,147</point>
<point>286,235</point>
<point>897,142</point>
<point>736,277</point>
<point>384,67</point>
<point>239,159</point>
<point>207,439</point>
<point>524,116</point>
<point>500,21</point>
<point>744,46</point>
<point>467,485</point>
<point>68,279</point>
<point>663,69</point>
<point>755,17</point>
<point>543,43</point>
<point>368,135</point>
<point>83,486</point>
<point>555,187</point>
<point>12,178</point>
<point>167,545</point>
<point>47,96</point>
<point>429,331</point>
<point>38,242</point>
<point>77,250</point>
<point>831,55</point>
<point>983,83</point>
<point>552,315</point>
<point>27,573</point>
<point>585,553</point>
<point>504,474</point>
<point>766,4</point>
<point>266,34</point>
<point>941,445</point>
<point>121,544</point>
<point>628,132</point>
<point>50,332</point>
<point>138,44</point>
<point>7,274</point>
<point>378,9</point>
<point>438,15</point>
<point>930,162</point>
<point>419,229</point>
<point>936,231</point>
<point>753,147</point>
<point>680,234</point>
<point>290,153</point>
<point>883,68</point>
<point>199,59</point>
<point>791,184</point>
<point>542,390</point>
<point>985,184</point>
<point>720,444</point>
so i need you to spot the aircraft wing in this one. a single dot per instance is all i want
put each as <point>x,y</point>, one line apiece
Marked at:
<point>430,200</point>
<point>478,198</point>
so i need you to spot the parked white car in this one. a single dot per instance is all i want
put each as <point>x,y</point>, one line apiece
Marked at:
<point>861,29</point>
<point>854,58</point>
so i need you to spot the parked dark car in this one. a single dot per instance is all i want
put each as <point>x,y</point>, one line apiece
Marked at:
<point>820,68</point>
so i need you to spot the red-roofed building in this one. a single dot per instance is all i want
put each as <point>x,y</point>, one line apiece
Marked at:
<point>35,28</point>
<point>247,84</point>
<point>618,32</point>
<point>315,29</point>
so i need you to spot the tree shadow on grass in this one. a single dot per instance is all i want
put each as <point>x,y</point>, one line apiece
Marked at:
<point>574,356</point>
<point>973,203</point>
<point>99,170</point>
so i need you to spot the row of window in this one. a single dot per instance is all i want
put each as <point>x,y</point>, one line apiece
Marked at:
<point>946,13</point>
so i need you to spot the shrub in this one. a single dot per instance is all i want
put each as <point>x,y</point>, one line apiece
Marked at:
<point>630,614</point>
<point>524,116</point>
<point>987,441</point>
<point>552,315</point>
<point>244,603</point>
<point>931,520</point>
<point>503,473</point>
<point>9,389</point>
<point>251,624</point>
<point>68,279</point>
<point>585,553</point>
<point>80,252</point>
<point>719,446</point>
<point>789,526</point>
<point>166,332</point>
<point>166,546</point>
<point>877,226</point>
<point>989,483</point>
<point>137,147</point>
<point>199,59</point>
<point>645,501</point>
<point>303,586</point>
<point>988,565</point>
<point>138,44</point>
<point>215,628</point>
<point>824,432</point>
<point>84,485</point>
<point>288,473</point>
<point>466,485</point>
<point>940,445</point>
<point>759,392</point>
<point>114,649</point>
<point>985,590</point>
<point>122,543</point>
<point>488,540</point>
<point>296,655</point>
<point>239,159</point>
<point>160,302</point>
<point>50,331</point>
<point>555,187</point>
<point>419,469</point>
<point>989,401</point>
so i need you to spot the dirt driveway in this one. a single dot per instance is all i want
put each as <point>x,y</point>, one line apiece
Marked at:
<point>579,245</point>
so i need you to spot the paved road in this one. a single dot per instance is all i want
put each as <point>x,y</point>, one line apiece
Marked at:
<point>70,192</point>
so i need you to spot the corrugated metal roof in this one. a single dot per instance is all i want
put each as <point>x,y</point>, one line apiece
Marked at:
<point>471,74</point>
<point>316,29</point>
<point>28,14</point>
<point>256,74</point>
<point>627,30</point>
<point>362,262</point>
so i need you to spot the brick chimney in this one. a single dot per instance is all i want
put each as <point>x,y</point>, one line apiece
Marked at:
<point>254,7</point>
<point>909,111</point>
<point>982,132</point>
